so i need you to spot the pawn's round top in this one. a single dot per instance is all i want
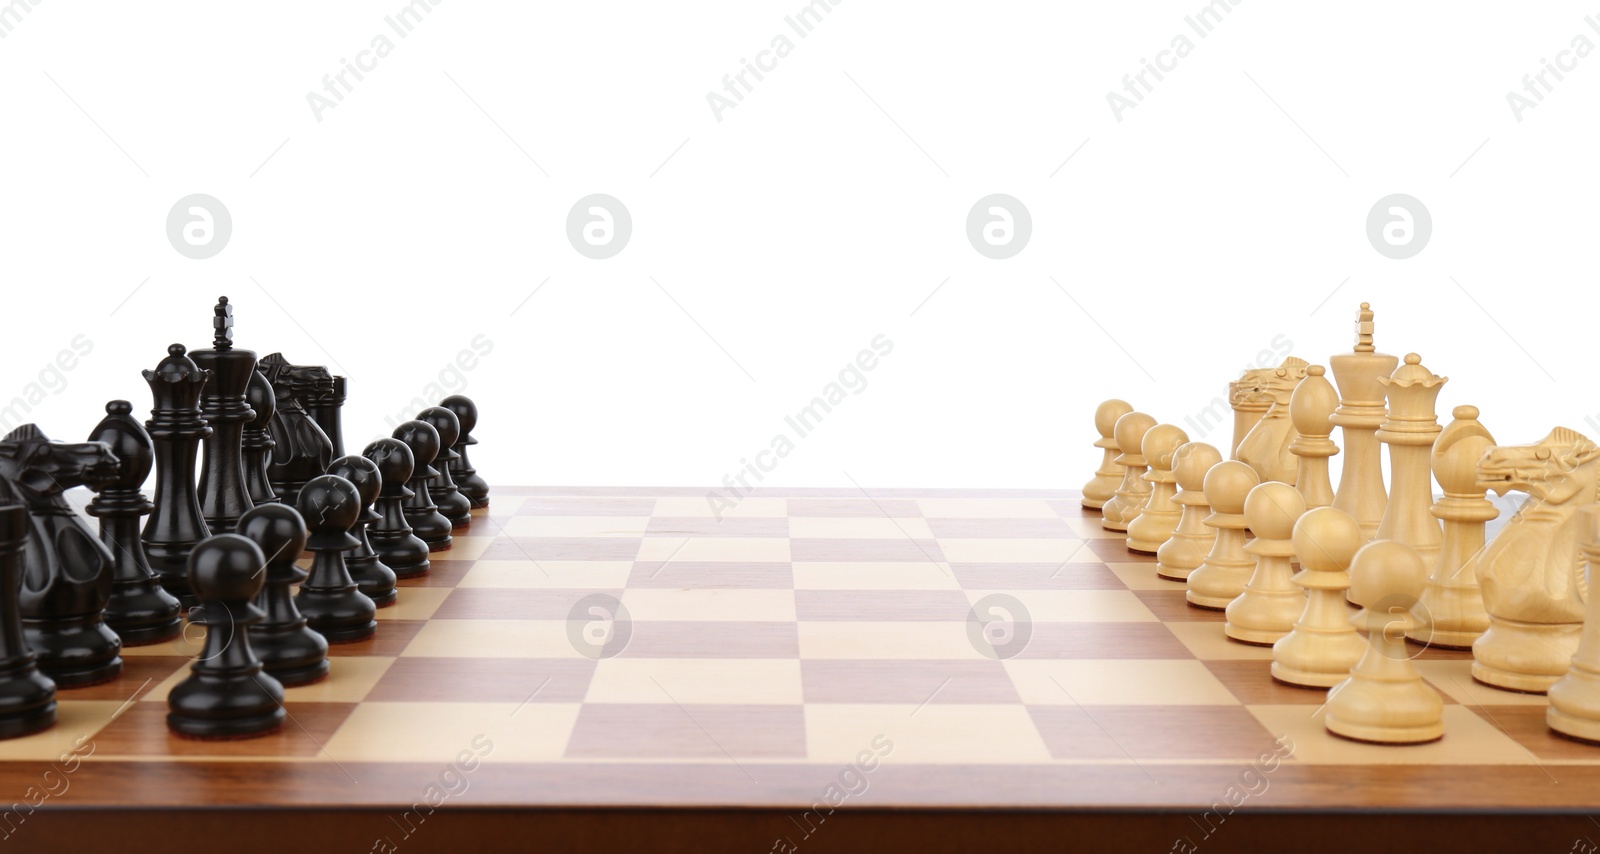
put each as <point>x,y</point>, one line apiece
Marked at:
<point>1227,484</point>
<point>1388,572</point>
<point>1272,508</point>
<point>449,427</point>
<point>394,461</point>
<point>227,568</point>
<point>1160,443</point>
<point>1191,462</point>
<point>467,413</point>
<point>423,440</point>
<point>362,473</point>
<point>1313,402</point>
<point>1129,433</point>
<point>1326,539</point>
<point>277,528</point>
<point>1105,416</point>
<point>331,505</point>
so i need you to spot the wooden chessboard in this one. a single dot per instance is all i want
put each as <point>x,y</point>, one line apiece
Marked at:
<point>813,647</point>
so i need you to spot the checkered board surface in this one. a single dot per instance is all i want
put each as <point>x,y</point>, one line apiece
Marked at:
<point>770,649</point>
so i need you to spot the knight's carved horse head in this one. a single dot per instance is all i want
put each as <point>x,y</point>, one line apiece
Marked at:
<point>1554,470</point>
<point>301,383</point>
<point>1268,385</point>
<point>37,470</point>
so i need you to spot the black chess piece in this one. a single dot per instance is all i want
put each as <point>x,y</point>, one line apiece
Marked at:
<point>324,401</point>
<point>421,513</point>
<point>223,495</point>
<point>140,611</point>
<point>370,574</point>
<point>27,697</point>
<point>256,439</point>
<point>330,600</point>
<point>227,695</point>
<point>176,426</point>
<point>289,650</point>
<point>301,450</point>
<point>66,580</point>
<point>391,537</point>
<point>475,488</point>
<point>452,504</point>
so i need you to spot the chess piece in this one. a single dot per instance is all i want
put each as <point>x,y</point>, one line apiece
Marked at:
<point>1266,447</point>
<point>1384,700</point>
<point>330,600</point>
<point>223,494</point>
<point>1323,646</point>
<point>1271,603</point>
<point>474,487</point>
<point>66,580</point>
<point>1409,432</point>
<point>1128,502</point>
<point>227,695</point>
<point>256,439</point>
<point>1531,572</point>
<point>140,611</point>
<point>27,697</point>
<point>391,537</point>
<point>1310,408</point>
<point>1451,613</point>
<point>300,450</point>
<point>290,651</point>
<point>1108,476</point>
<point>1222,577</point>
<point>1192,539</point>
<point>452,504</point>
<point>369,573</point>
<point>422,514</point>
<point>1248,404</point>
<point>176,426</point>
<point>324,400</point>
<point>1575,698</point>
<point>1154,525</point>
<point>1361,412</point>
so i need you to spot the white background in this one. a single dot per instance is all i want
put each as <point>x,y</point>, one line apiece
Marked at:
<point>382,239</point>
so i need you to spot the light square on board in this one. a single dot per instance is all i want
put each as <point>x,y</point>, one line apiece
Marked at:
<point>862,549</point>
<point>741,549</point>
<point>930,733</point>
<point>1468,740</point>
<point>727,526</point>
<point>416,603</point>
<point>1091,575</point>
<point>1117,682</point>
<point>958,529</point>
<point>873,575</point>
<point>914,605</point>
<point>1073,606</point>
<point>545,574</point>
<point>915,682</point>
<point>774,508</point>
<point>576,526</point>
<point>1126,641</point>
<point>436,733</point>
<point>1091,529</point>
<point>1208,641</point>
<point>635,732</point>
<point>488,603</point>
<point>986,508</point>
<point>1142,576</point>
<point>1021,550</point>
<point>493,639</point>
<point>75,719</point>
<point>730,681</point>
<point>1454,680</point>
<point>860,527</point>
<point>709,604</point>
<point>701,639</point>
<point>684,573</point>
<point>468,547</point>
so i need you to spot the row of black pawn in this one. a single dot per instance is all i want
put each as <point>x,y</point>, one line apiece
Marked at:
<point>369,520</point>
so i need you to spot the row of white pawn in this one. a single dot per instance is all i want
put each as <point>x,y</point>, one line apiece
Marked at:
<point>1194,510</point>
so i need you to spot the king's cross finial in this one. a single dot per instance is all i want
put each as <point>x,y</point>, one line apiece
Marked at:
<point>222,323</point>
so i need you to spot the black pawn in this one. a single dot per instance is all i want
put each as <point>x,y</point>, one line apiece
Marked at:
<point>370,574</point>
<point>421,513</point>
<point>176,426</point>
<point>288,648</point>
<point>256,441</point>
<point>330,599</point>
<point>140,611</point>
<point>66,577</point>
<point>390,535</point>
<point>227,695</point>
<point>223,494</point>
<point>27,697</point>
<point>452,504</point>
<point>475,488</point>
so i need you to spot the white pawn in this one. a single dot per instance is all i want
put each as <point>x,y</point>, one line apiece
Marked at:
<point>1221,578</point>
<point>1323,646</point>
<point>1192,539</point>
<point>1575,699</point>
<point>1129,500</point>
<point>1311,407</point>
<point>1103,485</point>
<point>1385,699</point>
<point>1155,524</point>
<point>1270,603</point>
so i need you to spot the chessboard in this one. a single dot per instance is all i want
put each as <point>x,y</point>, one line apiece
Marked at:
<point>827,669</point>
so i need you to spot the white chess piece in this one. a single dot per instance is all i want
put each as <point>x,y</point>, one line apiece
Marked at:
<point>1409,432</point>
<point>1270,603</point>
<point>1155,524</point>
<point>1575,699</point>
<point>1311,407</point>
<point>1324,645</point>
<point>1360,413</point>
<point>1186,549</point>
<point>1451,607</point>
<point>1128,502</point>
<point>1221,578</point>
<point>1104,484</point>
